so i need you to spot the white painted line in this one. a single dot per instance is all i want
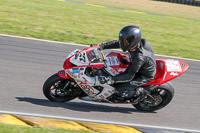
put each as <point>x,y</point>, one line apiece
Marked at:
<point>178,57</point>
<point>29,38</point>
<point>100,121</point>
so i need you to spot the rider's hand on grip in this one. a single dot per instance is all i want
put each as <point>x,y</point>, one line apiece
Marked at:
<point>91,45</point>
<point>100,46</point>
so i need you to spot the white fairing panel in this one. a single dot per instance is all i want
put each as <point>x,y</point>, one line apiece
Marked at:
<point>87,84</point>
<point>112,71</point>
<point>78,75</point>
<point>80,59</point>
<point>112,61</point>
<point>72,53</point>
<point>83,80</point>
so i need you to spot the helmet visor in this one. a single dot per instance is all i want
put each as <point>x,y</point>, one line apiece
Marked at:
<point>126,43</point>
<point>130,39</point>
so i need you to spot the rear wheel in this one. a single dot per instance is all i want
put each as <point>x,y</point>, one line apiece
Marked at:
<point>163,94</point>
<point>58,89</point>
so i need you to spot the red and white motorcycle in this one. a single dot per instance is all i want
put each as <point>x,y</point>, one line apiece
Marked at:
<point>80,79</point>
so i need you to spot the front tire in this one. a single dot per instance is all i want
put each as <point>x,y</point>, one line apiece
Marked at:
<point>58,89</point>
<point>163,95</point>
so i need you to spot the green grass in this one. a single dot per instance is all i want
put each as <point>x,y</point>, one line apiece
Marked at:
<point>151,6</point>
<point>20,129</point>
<point>68,22</point>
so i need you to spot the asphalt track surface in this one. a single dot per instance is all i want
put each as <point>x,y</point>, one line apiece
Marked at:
<point>25,65</point>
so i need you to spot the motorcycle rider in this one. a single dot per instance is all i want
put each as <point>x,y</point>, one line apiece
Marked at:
<point>143,65</point>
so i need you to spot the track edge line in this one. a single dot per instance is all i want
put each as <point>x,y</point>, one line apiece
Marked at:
<point>30,38</point>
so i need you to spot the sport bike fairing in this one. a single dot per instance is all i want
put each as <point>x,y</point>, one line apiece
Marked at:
<point>114,63</point>
<point>83,68</point>
<point>166,70</point>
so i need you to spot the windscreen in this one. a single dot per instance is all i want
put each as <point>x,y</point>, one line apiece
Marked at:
<point>94,56</point>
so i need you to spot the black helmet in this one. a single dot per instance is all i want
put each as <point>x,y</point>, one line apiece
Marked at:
<point>129,37</point>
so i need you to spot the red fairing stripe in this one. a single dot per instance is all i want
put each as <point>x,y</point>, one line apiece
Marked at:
<point>67,64</point>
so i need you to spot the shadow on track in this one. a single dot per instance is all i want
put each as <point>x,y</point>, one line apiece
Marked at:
<point>80,106</point>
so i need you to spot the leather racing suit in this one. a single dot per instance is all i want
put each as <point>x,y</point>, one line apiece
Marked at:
<point>141,70</point>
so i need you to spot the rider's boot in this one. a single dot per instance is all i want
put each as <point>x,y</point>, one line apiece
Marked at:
<point>139,91</point>
<point>133,93</point>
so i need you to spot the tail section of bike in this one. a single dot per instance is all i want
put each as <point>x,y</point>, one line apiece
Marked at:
<point>168,69</point>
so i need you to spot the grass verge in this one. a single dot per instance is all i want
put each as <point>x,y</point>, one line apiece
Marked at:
<point>69,22</point>
<point>20,129</point>
<point>151,6</point>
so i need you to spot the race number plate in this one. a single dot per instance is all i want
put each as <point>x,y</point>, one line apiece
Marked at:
<point>112,61</point>
<point>173,65</point>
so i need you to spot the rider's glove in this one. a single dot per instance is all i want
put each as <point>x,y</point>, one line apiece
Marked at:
<point>91,45</point>
<point>103,80</point>
<point>100,46</point>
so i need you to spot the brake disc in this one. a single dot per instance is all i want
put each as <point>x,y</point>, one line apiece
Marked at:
<point>158,99</point>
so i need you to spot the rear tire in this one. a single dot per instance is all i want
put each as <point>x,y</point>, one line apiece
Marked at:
<point>163,94</point>
<point>56,89</point>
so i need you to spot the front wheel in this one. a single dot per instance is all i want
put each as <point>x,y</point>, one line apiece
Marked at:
<point>58,89</point>
<point>163,94</point>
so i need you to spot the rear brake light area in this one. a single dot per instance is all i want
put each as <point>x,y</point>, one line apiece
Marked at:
<point>184,66</point>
